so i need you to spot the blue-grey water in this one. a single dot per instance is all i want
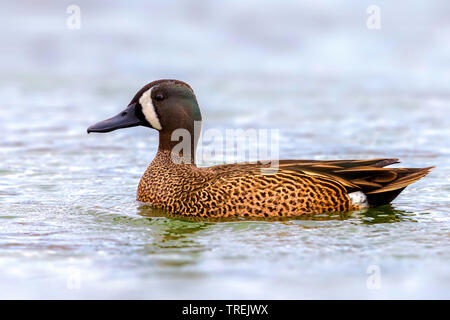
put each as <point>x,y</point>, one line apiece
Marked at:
<point>69,223</point>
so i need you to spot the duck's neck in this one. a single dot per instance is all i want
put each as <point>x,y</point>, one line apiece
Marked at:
<point>180,151</point>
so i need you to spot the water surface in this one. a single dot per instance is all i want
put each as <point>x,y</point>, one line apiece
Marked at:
<point>69,223</point>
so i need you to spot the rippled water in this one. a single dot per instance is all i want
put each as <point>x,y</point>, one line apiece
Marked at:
<point>69,223</point>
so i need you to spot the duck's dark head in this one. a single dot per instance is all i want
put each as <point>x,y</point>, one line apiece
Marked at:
<point>164,105</point>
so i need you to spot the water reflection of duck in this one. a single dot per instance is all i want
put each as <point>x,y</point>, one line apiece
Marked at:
<point>174,183</point>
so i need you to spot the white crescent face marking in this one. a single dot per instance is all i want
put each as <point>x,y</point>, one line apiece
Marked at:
<point>148,109</point>
<point>358,198</point>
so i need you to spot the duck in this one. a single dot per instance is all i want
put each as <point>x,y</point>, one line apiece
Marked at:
<point>174,183</point>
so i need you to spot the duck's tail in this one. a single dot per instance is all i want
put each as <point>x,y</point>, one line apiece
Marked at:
<point>405,176</point>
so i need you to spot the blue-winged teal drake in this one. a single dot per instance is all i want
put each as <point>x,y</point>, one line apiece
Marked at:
<point>299,187</point>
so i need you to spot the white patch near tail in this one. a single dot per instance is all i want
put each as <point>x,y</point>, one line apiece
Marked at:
<point>148,109</point>
<point>359,199</point>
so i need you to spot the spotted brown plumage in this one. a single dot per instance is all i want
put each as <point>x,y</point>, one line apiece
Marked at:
<point>297,187</point>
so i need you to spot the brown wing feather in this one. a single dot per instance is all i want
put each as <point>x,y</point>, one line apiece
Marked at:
<point>364,175</point>
<point>381,185</point>
<point>406,177</point>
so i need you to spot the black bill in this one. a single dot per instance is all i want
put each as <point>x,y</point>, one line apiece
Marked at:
<point>127,118</point>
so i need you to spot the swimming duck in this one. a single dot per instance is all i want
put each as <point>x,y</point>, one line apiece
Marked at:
<point>297,187</point>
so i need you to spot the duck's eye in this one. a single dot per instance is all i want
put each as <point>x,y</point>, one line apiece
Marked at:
<point>159,97</point>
